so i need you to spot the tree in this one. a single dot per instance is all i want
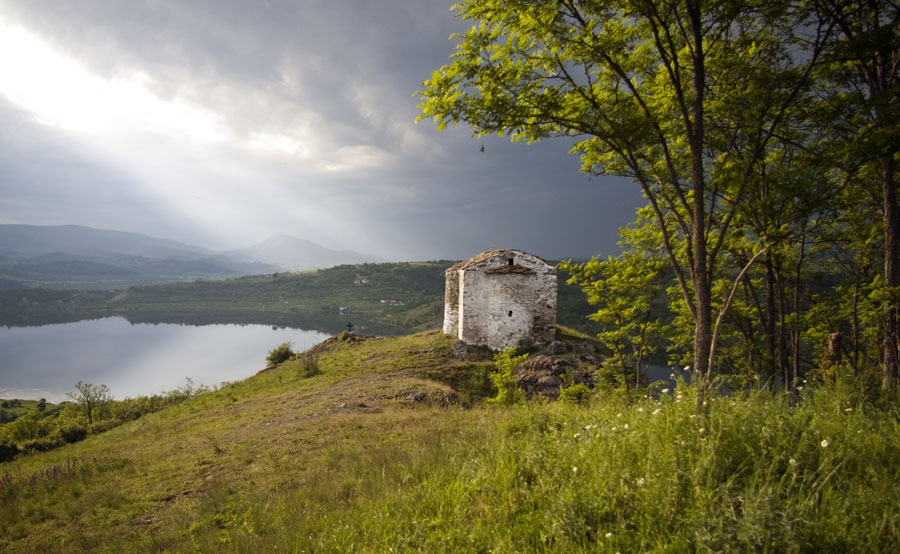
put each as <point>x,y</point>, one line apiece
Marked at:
<point>684,97</point>
<point>864,73</point>
<point>626,290</point>
<point>91,399</point>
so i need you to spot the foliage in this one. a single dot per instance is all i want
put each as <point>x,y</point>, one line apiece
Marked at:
<point>578,394</point>
<point>309,365</point>
<point>93,399</point>
<point>504,377</point>
<point>8,450</point>
<point>280,354</point>
<point>627,290</point>
<point>647,90</point>
<point>70,422</point>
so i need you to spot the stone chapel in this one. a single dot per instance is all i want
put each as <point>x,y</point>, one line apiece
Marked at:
<point>500,297</point>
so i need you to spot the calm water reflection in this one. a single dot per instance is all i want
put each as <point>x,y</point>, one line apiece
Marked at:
<point>134,360</point>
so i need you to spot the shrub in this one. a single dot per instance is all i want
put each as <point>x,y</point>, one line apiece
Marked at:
<point>309,365</point>
<point>578,394</point>
<point>73,432</point>
<point>8,451</point>
<point>280,353</point>
<point>508,391</point>
<point>42,444</point>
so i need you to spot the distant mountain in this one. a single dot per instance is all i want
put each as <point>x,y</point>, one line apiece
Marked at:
<point>295,254</point>
<point>72,256</point>
<point>28,241</point>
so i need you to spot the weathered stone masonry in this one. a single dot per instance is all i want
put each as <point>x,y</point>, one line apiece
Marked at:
<point>500,297</point>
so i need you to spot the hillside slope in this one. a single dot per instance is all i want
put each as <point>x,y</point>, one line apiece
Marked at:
<point>377,454</point>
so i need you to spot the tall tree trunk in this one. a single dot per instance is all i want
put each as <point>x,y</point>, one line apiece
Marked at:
<point>891,336</point>
<point>783,351</point>
<point>795,327</point>
<point>769,323</point>
<point>701,265</point>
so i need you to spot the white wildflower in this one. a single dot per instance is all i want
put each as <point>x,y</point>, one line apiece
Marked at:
<point>641,410</point>
<point>640,482</point>
<point>792,461</point>
<point>702,431</point>
<point>608,535</point>
<point>678,397</point>
<point>687,368</point>
<point>626,426</point>
<point>671,376</point>
<point>615,429</point>
<point>824,443</point>
<point>574,469</point>
<point>618,415</point>
<point>848,410</point>
<point>656,411</point>
<point>577,435</point>
<point>665,391</point>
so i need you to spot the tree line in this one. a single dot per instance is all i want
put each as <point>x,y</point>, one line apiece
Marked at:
<point>763,135</point>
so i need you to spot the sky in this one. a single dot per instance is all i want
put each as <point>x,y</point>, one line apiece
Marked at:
<point>220,123</point>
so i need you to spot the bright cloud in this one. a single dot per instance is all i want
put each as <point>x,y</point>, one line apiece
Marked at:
<point>62,93</point>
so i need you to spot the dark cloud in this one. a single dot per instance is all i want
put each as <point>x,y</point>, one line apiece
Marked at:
<point>335,77</point>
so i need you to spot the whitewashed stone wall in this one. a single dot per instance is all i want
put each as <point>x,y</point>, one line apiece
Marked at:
<point>500,297</point>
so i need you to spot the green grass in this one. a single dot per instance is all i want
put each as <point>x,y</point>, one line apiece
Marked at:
<point>376,453</point>
<point>16,407</point>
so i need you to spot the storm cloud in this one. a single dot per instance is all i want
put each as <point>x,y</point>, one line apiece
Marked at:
<point>221,123</point>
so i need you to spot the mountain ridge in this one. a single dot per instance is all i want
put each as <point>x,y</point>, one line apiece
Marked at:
<point>76,256</point>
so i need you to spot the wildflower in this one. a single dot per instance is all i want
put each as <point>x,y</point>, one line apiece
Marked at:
<point>608,535</point>
<point>678,397</point>
<point>848,410</point>
<point>626,426</point>
<point>687,368</point>
<point>792,461</point>
<point>641,410</point>
<point>577,435</point>
<point>824,443</point>
<point>800,387</point>
<point>640,482</point>
<point>618,415</point>
<point>656,411</point>
<point>615,429</point>
<point>671,376</point>
<point>574,469</point>
<point>702,430</point>
<point>665,391</point>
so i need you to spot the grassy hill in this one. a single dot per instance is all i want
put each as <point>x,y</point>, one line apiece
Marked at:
<point>391,449</point>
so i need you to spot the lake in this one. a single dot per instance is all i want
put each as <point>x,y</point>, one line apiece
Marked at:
<point>134,359</point>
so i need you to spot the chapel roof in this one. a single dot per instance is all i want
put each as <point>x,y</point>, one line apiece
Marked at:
<point>478,258</point>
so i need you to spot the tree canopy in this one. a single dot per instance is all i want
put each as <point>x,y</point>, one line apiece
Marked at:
<point>724,113</point>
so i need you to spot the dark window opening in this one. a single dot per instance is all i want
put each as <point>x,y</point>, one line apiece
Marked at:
<point>510,313</point>
<point>510,261</point>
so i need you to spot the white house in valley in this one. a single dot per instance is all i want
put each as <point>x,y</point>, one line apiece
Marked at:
<point>500,297</point>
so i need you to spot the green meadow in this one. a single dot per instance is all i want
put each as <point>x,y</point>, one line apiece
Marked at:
<point>389,446</point>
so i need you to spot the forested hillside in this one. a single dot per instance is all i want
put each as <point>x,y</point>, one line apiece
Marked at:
<point>391,298</point>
